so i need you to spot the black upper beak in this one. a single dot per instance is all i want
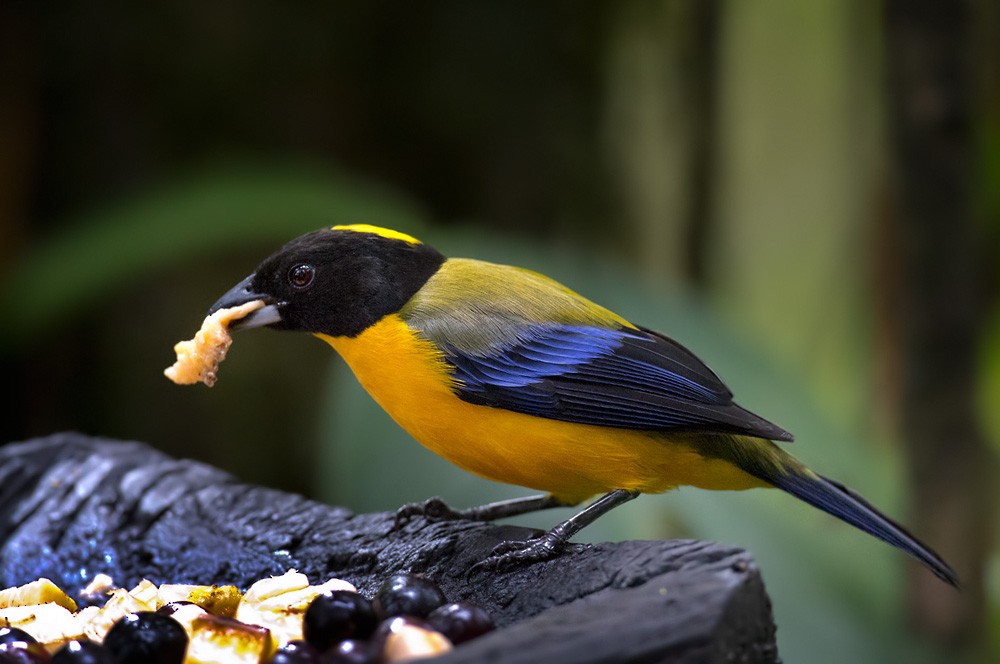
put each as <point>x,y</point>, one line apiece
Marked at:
<point>242,293</point>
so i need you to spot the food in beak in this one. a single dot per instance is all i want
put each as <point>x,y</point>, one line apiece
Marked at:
<point>198,359</point>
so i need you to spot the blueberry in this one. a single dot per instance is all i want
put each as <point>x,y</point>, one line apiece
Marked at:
<point>23,652</point>
<point>352,651</point>
<point>10,634</point>
<point>297,652</point>
<point>338,615</point>
<point>82,651</point>
<point>461,621</point>
<point>407,595</point>
<point>147,637</point>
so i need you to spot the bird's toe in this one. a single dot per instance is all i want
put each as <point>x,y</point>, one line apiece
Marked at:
<point>511,554</point>
<point>432,509</point>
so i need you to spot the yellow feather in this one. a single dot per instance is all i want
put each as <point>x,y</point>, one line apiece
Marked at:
<point>377,230</point>
<point>477,305</point>
<point>408,377</point>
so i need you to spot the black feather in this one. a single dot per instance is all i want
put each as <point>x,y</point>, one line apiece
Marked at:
<point>625,378</point>
<point>844,503</point>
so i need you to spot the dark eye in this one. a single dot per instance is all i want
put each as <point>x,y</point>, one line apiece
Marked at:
<point>301,276</point>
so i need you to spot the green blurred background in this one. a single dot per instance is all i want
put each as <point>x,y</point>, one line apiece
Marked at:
<point>806,194</point>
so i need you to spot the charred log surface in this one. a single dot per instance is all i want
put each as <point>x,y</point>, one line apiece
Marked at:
<point>72,506</point>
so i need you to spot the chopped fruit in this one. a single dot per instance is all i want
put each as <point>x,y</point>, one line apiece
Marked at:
<point>41,591</point>
<point>407,639</point>
<point>184,613</point>
<point>50,624</point>
<point>146,592</point>
<point>98,620</point>
<point>198,359</point>
<point>220,600</point>
<point>269,588</point>
<point>218,639</point>
<point>282,619</point>
<point>279,603</point>
<point>100,586</point>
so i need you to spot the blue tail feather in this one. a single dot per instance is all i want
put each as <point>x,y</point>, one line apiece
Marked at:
<point>834,498</point>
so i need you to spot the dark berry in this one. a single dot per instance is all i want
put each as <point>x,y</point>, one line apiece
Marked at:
<point>9,634</point>
<point>82,652</point>
<point>297,652</point>
<point>461,621</point>
<point>407,595</point>
<point>147,637</point>
<point>338,615</point>
<point>170,608</point>
<point>23,652</point>
<point>352,651</point>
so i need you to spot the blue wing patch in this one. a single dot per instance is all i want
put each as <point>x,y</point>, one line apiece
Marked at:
<point>624,378</point>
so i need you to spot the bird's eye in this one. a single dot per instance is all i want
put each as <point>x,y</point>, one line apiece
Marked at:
<point>301,276</point>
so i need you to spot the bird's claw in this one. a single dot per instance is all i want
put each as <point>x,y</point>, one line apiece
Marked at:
<point>432,509</point>
<point>511,554</point>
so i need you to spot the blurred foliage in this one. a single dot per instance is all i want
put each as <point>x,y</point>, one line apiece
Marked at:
<point>137,277</point>
<point>212,211</point>
<point>716,171</point>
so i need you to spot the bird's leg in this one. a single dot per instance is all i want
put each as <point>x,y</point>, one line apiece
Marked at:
<point>508,554</point>
<point>436,509</point>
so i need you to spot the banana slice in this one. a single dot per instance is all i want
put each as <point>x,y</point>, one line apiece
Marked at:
<point>280,602</point>
<point>220,600</point>
<point>121,603</point>
<point>406,641</point>
<point>41,591</point>
<point>51,624</point>
<point>213,638</point>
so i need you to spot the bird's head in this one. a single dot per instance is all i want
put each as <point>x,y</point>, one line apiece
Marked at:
<point>336,281</point>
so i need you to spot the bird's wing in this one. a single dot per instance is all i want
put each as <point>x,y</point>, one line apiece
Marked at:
<point>518,340</point>
<point>627,378</point>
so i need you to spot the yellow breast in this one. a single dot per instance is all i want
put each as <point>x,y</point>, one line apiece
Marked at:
<point>408,377</point>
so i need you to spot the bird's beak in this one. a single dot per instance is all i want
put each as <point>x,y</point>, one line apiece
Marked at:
<point>241,293</point>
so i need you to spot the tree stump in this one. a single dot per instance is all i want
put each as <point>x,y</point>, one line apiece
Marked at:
<point>73,506</point>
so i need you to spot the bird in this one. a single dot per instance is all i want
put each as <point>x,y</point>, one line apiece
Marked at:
<point>515,377</point>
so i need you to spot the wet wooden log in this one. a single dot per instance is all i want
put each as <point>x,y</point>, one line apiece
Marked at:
<point>72,506</point>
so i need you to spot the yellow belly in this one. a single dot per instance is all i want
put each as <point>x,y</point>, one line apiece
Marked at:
<point>407,376</point>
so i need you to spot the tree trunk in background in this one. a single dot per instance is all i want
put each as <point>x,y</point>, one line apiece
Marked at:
<point>659,125</point>
<point>703,61</point>
<point>942,302</point>
<point>18,94</point>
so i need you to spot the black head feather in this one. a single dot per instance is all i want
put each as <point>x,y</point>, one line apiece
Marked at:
<point>340,281</point>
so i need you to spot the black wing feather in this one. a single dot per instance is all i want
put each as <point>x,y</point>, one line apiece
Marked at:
<point>626,378</point>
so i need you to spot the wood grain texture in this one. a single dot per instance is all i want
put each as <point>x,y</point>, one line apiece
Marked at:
<point>73,506</point>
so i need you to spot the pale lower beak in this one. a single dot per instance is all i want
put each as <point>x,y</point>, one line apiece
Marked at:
<point>242,293</point>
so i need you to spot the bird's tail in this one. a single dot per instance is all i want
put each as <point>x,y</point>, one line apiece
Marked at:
<point>834,498</point>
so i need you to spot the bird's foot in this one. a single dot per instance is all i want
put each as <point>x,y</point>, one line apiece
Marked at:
<point>432,509</point>
<point>511,554</point>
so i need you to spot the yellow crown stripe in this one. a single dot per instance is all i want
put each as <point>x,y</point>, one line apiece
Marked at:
<point>377,230</point>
